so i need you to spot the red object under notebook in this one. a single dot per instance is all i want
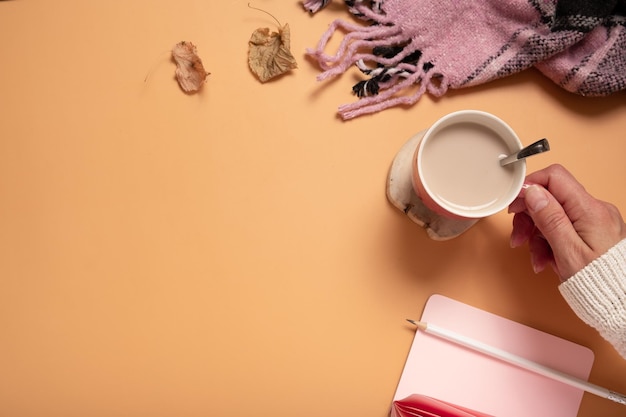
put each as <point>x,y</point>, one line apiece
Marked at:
<point>422,406</point>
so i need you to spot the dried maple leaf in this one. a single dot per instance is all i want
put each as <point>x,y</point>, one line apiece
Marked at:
<point>190,72</point>
<point>269,55</point>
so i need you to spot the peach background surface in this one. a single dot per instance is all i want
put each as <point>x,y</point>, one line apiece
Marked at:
<point>233,252</point>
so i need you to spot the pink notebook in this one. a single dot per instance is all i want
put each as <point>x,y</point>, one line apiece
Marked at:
<point>445,371</point>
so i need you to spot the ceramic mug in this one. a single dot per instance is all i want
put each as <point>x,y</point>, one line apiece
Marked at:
<point>456,168</point>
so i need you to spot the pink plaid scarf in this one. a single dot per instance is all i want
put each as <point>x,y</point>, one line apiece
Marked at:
<point>411,47</point>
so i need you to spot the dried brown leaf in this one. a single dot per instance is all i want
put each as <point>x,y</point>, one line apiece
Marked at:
<point>190,72</point>
<point>269,55</point>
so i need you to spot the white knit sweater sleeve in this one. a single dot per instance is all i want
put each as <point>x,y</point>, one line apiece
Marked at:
<point>597,294</point>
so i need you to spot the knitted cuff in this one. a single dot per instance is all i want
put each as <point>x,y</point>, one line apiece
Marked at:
<point>597,294</point>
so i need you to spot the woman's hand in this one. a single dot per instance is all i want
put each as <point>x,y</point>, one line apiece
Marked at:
<point>564,225</point>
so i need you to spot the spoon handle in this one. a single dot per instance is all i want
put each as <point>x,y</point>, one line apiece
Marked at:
<point>541,145</point>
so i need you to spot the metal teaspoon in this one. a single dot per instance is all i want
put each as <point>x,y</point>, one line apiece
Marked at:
<point>540,146</point>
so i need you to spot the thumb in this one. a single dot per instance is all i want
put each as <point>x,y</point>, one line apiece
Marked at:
<point>551,219</point>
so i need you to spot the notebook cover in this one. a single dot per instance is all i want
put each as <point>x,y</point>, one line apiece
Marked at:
<point>457,375</point>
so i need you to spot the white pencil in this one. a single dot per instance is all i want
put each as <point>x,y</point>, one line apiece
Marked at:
<point>520,361</point>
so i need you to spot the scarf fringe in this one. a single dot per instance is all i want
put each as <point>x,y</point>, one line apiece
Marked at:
<point>357,38</point>
<point>314,6</point>
<point>393,65</point>
<point>395,93</point>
